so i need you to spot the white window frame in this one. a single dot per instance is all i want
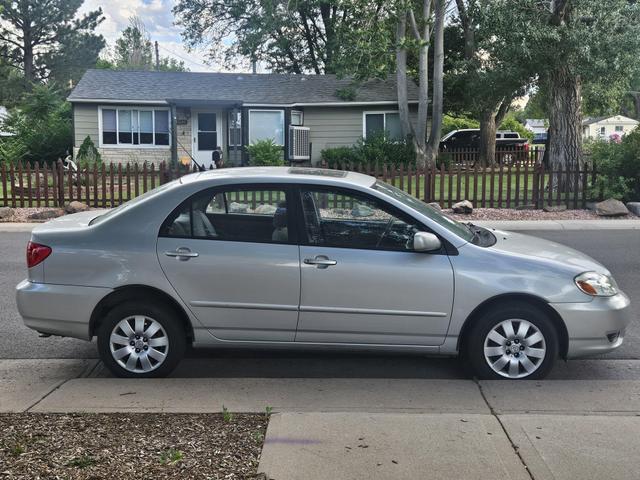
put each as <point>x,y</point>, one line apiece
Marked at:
<point>298,112</point>
<point>621,127</point>
<point>281,111</point>
<point>133,145</point>
<point>376,112</point>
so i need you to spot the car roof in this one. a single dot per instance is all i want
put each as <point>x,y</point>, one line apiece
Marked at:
<point>282,174</point>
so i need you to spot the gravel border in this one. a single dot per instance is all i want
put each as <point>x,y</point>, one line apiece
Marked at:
<point>111,446</point>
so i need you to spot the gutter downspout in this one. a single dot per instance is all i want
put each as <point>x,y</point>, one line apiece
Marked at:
<point>174,137</point>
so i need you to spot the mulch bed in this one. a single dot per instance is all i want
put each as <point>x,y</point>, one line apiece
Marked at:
<point>111,446</point>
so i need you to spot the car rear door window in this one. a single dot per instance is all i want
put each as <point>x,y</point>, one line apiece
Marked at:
<point>336,218</point>
<point>241,215</point>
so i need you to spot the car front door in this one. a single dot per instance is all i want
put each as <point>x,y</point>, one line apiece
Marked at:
<point>362,283</point>
<point>232,258</point>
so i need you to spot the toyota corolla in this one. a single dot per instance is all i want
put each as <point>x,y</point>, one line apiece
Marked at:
<point>311,258</point>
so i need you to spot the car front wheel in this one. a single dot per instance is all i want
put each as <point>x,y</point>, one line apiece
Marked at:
<point>139,340</point>
<point>511,342</point>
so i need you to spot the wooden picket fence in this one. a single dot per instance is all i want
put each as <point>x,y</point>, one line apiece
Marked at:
<point>23,185</point>
<point>514,186</point>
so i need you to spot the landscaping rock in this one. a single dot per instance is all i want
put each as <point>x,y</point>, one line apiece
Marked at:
<point>435,205</point>
<point>554,208</point>
<point>592,206</point>
<point>465,206</point>
<point>361,211</point>
<point>266,209</point>
<point>46,214</point>
<point>6,212</point>
<point>235,207</point>
<point>611,208</point>
<point>634,207</point>
<point>75,207</point>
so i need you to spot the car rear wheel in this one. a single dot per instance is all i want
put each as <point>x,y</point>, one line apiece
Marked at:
<point>139,340</point>
<point>511,342</point>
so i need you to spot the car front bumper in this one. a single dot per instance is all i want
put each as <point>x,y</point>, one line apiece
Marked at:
<point>597,326</point>
<point>58,309</point>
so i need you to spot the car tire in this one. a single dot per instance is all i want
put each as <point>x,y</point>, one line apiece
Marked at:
<point>151,346</point>
<point>511,341</point>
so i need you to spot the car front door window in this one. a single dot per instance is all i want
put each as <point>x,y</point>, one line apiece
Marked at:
<point>335,218</point>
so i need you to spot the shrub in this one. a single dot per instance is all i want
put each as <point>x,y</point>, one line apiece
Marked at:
<point>88,154</point>
<point>265,153</point>
<point>618,167</point>
<point>451,123</point>
<point>512,124</point>
<point>374,150</point>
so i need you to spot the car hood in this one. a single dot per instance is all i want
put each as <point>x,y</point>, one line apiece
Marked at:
<point>526,246</point>
<point>68,222</point>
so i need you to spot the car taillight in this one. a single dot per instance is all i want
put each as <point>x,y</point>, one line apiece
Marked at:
<point>36,253</point>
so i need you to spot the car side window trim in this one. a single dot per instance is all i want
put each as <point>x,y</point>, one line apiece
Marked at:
<point>284,187</point>
<point>389,208</point>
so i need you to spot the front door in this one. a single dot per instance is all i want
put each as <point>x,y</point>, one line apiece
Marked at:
<point>362,283</point>
<point>207,135</point>
<point>233,259</point>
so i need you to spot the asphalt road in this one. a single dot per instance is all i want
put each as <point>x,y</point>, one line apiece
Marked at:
<point>618,250</point>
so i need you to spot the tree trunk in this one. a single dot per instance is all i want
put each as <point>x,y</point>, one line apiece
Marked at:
<point>636,103</point>
<point>433,144</point>
<point>401,75</point>
<point>487,150</point>
<point>565,124</point>
<point>29,75</point>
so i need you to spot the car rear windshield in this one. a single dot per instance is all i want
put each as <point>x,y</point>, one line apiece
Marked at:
<point>133,202</point>
<point>437,216</point>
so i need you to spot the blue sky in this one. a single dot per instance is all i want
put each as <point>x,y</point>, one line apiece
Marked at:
<point>158,19</point>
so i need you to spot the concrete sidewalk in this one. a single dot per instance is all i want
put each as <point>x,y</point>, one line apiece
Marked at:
<point>378,428</point>
<point>514,225</point>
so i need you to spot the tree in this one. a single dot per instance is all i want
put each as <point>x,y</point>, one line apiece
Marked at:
<point>576,48</point>
<point>288,36</point>
<point>134,51</point>
<point>47,39</point>
<point>492,72</point>
<point>426,150</point>
<point>42,126</point>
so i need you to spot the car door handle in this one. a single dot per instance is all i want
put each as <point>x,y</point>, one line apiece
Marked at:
<point>182,253</point>
<point>320,261</point>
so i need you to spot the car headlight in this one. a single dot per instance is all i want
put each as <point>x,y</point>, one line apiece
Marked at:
<point>596,284</point>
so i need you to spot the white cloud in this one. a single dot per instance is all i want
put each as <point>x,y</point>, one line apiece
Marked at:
<point>158,19</point>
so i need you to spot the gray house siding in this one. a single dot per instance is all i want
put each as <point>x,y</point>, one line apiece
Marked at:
<point>332,127</point>
<point>85,121</point>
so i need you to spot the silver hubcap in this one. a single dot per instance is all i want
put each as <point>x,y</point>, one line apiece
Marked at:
<point>139,344</point>
<point>514,348</point>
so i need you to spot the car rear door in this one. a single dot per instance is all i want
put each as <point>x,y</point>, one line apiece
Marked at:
<point>232,258</point>
<point>361,281</point>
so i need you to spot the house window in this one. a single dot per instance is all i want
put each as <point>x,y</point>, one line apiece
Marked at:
<point>602,131</point>
<point>126,126</point>
<point>297,117</point>
<point>619,129</point>
<point>235,128</point>
<point>266,124</point>
<point>387,123</point>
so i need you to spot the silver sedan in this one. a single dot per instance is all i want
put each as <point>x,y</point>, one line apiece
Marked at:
<point>309,258</point>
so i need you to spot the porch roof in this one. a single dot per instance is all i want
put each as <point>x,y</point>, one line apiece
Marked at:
<point>248,89</point>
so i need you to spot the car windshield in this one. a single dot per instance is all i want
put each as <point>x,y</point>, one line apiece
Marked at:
<point>131,203</point>
<point>440,218</point>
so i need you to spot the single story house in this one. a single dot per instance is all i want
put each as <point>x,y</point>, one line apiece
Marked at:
<point>604,128</point>
<point>143,116</point>
<point>539,127</point>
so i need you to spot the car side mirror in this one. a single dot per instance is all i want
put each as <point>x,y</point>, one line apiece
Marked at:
<point>426,242</point>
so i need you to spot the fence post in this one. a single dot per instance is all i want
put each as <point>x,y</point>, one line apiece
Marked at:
<point>60,184</point>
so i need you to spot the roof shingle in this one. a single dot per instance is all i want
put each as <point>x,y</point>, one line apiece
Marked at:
<point>232,87</point>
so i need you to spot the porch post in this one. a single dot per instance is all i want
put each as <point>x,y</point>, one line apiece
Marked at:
<point>174,138</point>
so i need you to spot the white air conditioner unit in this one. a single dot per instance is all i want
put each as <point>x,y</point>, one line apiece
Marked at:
<point>299,147</point>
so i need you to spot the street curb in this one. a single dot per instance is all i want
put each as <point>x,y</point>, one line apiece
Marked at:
<point>497,224</point>
<point>560,224</point>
